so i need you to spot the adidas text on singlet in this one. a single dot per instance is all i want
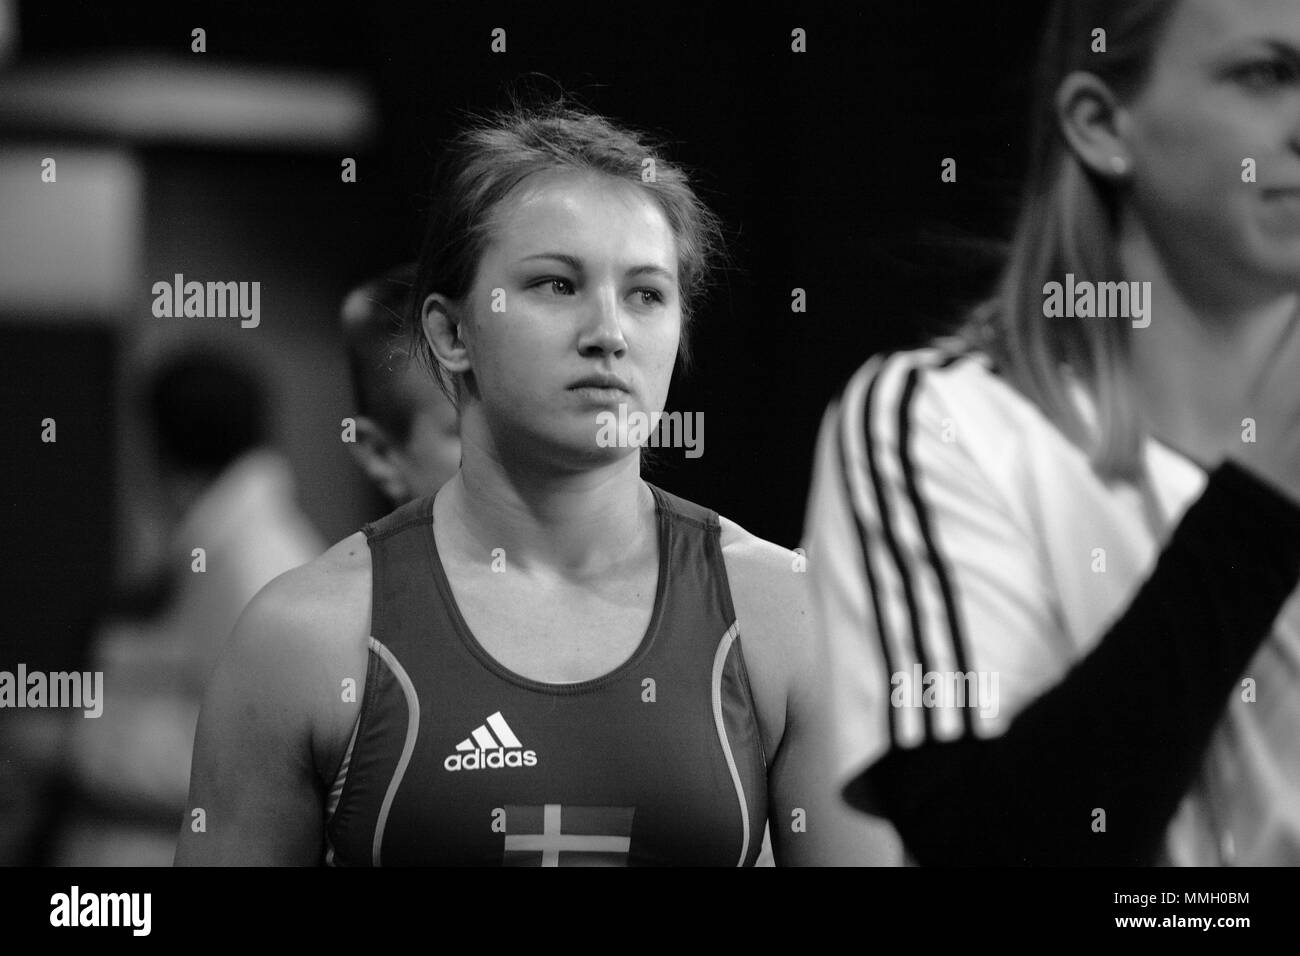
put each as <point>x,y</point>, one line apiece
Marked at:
<point>455,760</point>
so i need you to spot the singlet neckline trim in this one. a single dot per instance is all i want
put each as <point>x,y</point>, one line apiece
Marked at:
<point>480,653</point>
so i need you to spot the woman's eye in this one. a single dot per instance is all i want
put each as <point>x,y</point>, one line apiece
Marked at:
<point>650,296</point>
<point>1266,74</point>
<point>556,285</point>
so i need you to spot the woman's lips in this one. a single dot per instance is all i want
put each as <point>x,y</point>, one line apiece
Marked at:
<point>602,394</point>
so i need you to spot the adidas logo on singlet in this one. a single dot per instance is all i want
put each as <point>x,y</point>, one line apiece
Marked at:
<point>483,751</point>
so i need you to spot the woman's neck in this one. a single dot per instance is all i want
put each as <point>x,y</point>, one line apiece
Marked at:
<point>573,523</point>
<point>1195,366</point>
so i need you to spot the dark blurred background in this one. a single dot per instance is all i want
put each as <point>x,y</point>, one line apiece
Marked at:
<point>225,165</point>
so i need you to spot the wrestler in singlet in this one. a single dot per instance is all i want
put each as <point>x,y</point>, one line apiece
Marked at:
<point>457,760</point>
<point>398,701</point>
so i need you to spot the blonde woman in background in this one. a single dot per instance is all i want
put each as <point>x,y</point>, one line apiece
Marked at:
<point>1056,556</point>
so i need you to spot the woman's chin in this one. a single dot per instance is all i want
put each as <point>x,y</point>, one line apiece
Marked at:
<point>580,450</point>
<point>596,455</point>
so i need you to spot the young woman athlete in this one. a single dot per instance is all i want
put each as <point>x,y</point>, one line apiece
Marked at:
<point>542,663</point>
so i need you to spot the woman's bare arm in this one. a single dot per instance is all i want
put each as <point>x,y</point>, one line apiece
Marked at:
<point>809,821</point>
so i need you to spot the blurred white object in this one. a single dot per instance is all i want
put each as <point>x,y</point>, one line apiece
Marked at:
<point>132,764</point>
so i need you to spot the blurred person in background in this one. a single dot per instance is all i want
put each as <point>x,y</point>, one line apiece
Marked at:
<point>407,434</point>
<point>227,491</point>
<point>1092,520</point>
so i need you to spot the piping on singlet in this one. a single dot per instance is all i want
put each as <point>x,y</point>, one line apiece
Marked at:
<point>336,791</point>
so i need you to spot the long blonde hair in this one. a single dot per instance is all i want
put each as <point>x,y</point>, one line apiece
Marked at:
<point>1067,224</point>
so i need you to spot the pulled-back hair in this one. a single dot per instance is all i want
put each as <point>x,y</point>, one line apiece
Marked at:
<point>483,164</point>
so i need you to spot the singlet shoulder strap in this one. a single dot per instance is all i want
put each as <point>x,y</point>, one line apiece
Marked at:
<point>704,518</point>
<point>419,511</point>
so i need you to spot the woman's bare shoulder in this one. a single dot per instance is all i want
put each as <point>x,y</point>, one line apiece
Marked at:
<point>299,651</point>
<point>772,575</point>
<point>323,602</point>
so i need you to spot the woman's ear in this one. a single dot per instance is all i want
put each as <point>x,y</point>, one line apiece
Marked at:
<point>1092,122</point>
<point>441,321</point>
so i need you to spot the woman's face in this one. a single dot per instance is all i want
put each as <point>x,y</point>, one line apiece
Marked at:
<point>578,285</point>
<point>1224,87</point>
